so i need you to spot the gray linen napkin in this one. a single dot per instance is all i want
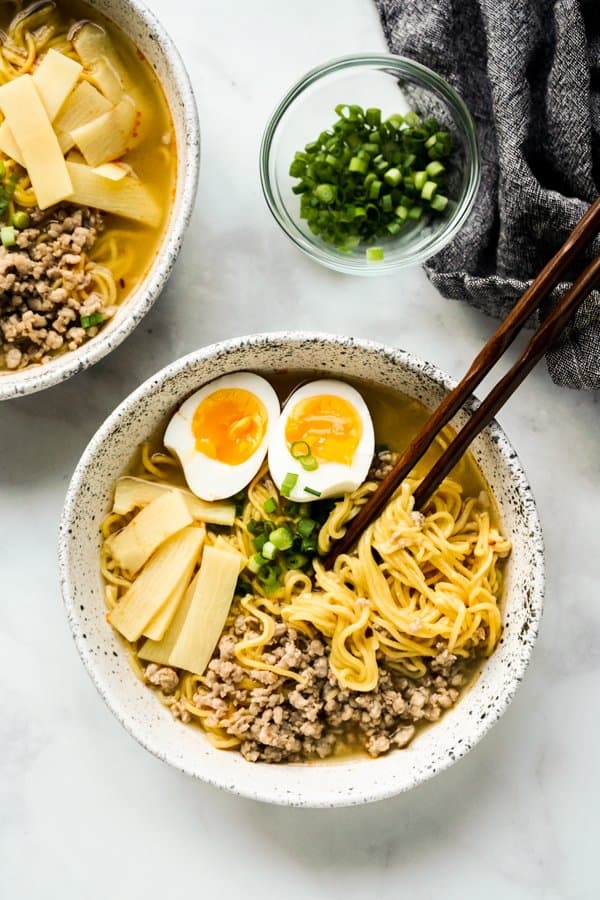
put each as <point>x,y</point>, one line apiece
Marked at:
<point>529,71</point>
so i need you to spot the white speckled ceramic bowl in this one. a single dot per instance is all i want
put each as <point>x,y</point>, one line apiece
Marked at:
<point>341,783</point>
<point>144,29</point>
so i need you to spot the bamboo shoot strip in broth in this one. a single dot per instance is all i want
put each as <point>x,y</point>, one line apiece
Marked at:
<point>249,637</point>
<point>87,172</point>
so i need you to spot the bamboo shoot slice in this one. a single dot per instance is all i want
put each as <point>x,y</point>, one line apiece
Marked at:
<point>109,136</point>
<point>107,79</point>
<point>98,55</point>
<point>159,651</point>
<point>156,629</point>
<point>134,545</point>
<point>112,170</point>
<point>158,579</point>
<point>55,78</point>
<point>131,492</point>
<point>9,146</point>
<point>208,611</point>
<point>31,129</point>
<point>222,544</point>
<point>127,197</point>
<point>85,104</point>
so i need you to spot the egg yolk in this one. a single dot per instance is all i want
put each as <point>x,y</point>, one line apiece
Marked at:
<point>229,425</point>
<point>330,426</point>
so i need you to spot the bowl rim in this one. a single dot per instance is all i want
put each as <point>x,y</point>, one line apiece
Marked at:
<point>39,377</point>
<point>150,742</point>
<point>437,83</point>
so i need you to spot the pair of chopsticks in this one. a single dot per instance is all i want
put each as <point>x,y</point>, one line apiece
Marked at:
<point>545,336</point>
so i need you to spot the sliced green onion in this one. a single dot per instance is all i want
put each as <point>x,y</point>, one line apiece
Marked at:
<point>309,490</point>
<point>305,527</point>
<point>243,587</point>
<point>269,550</point>
<point>396,120</point>
<point>299,449</point>
<point>325,193</point>
<point>435,168</point>
<point>271,586</point>
<point>255,563</point>
<point>281,538</point>
<point>8,236</point>
<point>254,526</point>
<point>374,254</point>
<point>96,319</point>
<point>373,117</point>
<point>375,189</point>
<point>439,202</point>
<point>309,463</point>
<point>309,545</point>
<point>259,541</point>
<point>296,560</point>
<point>357,164</point>
<point>288,484</point>
<point>269,578</point>
<point>270,505</point>
<point>419,179</point>
<point>428,190</point>
<point>393,176</point>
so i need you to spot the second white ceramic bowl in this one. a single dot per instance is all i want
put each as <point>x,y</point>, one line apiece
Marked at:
<point>349,781</point>
<point>146,32</point>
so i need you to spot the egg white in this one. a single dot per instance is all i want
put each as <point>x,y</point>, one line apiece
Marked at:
<point>331,479</point>
<point>208,478</point>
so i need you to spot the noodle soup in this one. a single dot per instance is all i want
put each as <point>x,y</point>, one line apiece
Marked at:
<point>87,174</point>
<point>231,617</point>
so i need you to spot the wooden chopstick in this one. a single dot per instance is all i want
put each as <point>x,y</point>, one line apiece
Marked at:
<point>540,343</point>
<point>502,338</point>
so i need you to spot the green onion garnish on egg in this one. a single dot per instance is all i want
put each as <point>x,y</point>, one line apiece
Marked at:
<point>299,449</point>
<point>312,491</point>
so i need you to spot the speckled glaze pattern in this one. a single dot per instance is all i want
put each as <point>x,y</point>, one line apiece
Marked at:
<point>316,785</point>
<point>149,36</point>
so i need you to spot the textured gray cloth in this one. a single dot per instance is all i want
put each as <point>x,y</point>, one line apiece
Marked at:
<point>529,71</point>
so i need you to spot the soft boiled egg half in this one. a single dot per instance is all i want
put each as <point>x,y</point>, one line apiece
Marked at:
<point>221,434</point>
<point>323,444</point>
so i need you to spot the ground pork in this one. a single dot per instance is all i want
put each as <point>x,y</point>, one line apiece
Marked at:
<point>280,720</point>
<point>163,677</point>
<point>41,278</point>
<point>383,463</point>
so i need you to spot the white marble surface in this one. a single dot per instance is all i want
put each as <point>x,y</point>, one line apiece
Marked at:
<point>85,814</point>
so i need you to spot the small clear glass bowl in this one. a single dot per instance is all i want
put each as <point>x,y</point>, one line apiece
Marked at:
<point>394,84</point>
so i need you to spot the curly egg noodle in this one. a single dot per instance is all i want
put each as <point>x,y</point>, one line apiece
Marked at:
<point>415,582</point>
